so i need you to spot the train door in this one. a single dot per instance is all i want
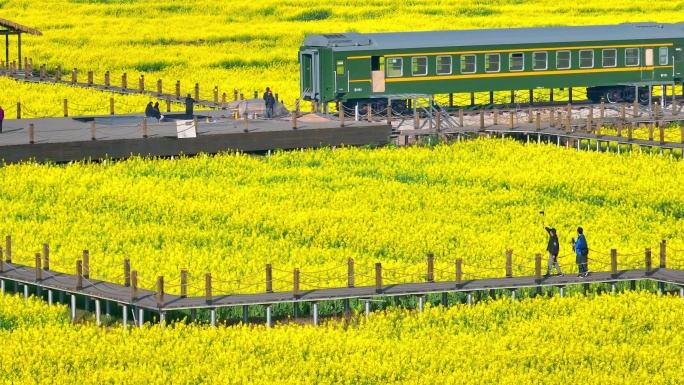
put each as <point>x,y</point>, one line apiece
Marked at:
<point>310,79</point>
<point>678,62</point>
<point>341,77</point>
<point>647,69</point>
<point>378,73</point>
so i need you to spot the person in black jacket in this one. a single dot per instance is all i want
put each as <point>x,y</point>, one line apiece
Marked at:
<point>553,248</point>
<point>189,104</point>
<point>269,100</point>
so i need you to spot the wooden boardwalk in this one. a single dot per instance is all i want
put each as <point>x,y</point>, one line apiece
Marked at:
<point>37,279</point>
<point>119,136</point>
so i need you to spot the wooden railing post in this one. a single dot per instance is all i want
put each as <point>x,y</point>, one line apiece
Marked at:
<point>124,82</point>
<point>459,272</point>
<point>537,267</point>
<point>93,131</point>
<point>66,108</point>
<point>58,74</point>
<point>648,261</point>
<point>235,94</point>
<point>79,274</point>
<point>184,283</point>
<point>269,279</point>
<point>341,115</point>
<point>107,81</point>
<point>111,106</point>
<point>160,291</point>
<point>39,270</point>
<point>90,78</point>
<point>144,126</point>
<point>208,295</point>
<point>223,101</point>
<point>613,263</point>
<point>8,249</point>
<point>216,94</point>
<point>509,263</point>
<point>460,117</point>
<point>482,122</point>
<point>378,277</point>
<point>32,134</point>
<point>127,272</point>
<point>370,113</point>
<point>619,129</point>
<point>74,76</point>
<point>538,121</point>
<point>134,285</point>
<point>511,118</point>
<point>350,273</point>
<point>197,98</point>
<point>46,257</point>
<point>663,255</point>
<point>86,264</point>
<point>635,108</point>
<point>159,87</point>
<point>295,289</point>
<point>431,267</point>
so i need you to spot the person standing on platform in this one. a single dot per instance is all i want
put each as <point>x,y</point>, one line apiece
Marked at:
<point>553,248</point>
<point>582,252</point>
<point>2,117</point>
<point>189,105</point>
<point>158,114</point>
<point>269,100</point>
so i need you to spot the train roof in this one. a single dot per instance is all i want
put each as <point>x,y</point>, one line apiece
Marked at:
<point>354,41</point>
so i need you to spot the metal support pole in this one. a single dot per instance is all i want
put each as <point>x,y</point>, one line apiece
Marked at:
<point>26,291</point>
<point>213,317</point>
<point>562,291</point>
<point>73,306</point>
<point>125,316</point>
<point>245,314</point>
<point>421,303</point>
<point>513,294</point>
<point>367,308</point>
<point>315,313</point>
<point>49,296</point>
<point>141,317</point>
<point>268,316</point>
<point>97,312</point>
<point>469,299</point>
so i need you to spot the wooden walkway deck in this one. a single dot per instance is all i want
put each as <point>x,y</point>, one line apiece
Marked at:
<point>161,302</point>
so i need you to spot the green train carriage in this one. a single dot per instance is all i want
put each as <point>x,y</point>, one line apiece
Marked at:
<point>615,62</point>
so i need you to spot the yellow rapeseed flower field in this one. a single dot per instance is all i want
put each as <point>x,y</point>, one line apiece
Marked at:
<point>252,46</point>
<point>634,338</point>
<point>232,214</point>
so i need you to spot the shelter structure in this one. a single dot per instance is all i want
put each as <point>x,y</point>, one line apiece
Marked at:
<point>8,28</point>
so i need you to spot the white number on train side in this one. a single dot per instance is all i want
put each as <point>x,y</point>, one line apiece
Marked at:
<point>358,89</point>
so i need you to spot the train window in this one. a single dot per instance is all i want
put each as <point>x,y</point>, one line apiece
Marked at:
<point>609,57</point>
<point>631,56</point>
<point>539,61</point>
<point>586,58</point>
<point>563,60</point>
<point>492,62</point>
<point>467,64</point>
<point>394,67</point>
<point>340,67</point>
<point>515,61</point>
<point>443,65</point>
<point>678,55</point>
<point>663,56</point>
<point>419,66</point>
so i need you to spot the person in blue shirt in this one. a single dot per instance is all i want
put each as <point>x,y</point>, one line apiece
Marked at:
<point>582,252</point>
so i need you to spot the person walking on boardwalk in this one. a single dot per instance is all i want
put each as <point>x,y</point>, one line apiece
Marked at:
<point>189,104</point>
<point>553,248</point>
<point>269,100</point>
<point>582,251</point>
<point>2,117</point>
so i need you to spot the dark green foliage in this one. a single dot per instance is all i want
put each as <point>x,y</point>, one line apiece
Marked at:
<point>313,15</point>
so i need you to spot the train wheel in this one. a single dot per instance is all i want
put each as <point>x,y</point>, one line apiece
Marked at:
<point>643,96</point>
<point>612,96</point>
